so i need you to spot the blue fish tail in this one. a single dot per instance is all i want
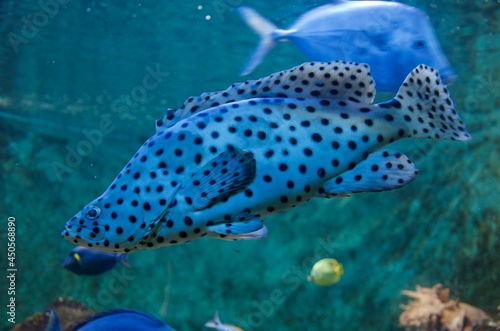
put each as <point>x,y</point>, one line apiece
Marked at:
<point>214,322</point>
<point>424,108</point>
<point>265,30</point>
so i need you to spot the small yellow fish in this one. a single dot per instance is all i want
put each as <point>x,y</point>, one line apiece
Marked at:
<point>326,272</point>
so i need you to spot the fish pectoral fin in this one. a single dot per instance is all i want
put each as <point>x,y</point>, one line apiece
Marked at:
<point>381,171</point>
<point>225,175</point>
<point>251,229</point>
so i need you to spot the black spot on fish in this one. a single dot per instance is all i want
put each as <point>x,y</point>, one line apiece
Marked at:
<point>316,137</point>
<point>188,221</point>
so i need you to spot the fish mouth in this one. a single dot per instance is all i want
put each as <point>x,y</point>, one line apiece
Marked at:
<point>79,232</point>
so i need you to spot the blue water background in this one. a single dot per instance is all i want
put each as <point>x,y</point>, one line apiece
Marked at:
<point>86,64</point>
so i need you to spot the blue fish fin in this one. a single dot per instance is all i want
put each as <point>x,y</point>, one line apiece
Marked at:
<point>381,171</point>
<point>166,121</point>
<point>225,175</point>
<point>214,322</point>
<point>424,107</point>
<point>251,228</point>
<point>123,260</point>
<point>265,30</point>
<point>313,14</point>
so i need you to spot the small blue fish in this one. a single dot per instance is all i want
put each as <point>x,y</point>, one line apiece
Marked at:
<point>123,320</point>
<point>216,324</point>
<point>225,160</point>
<point>86,261</point>
<point>391,37</point>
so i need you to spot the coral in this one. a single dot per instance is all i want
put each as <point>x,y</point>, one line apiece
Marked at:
<point>36,322</point>
<point>433,310</point>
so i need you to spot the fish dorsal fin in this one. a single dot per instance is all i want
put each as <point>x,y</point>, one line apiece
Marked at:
<point>313,14</point>
<point>251,229</point>
<point>337,80</point>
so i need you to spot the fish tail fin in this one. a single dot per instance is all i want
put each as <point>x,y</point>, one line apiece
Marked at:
<point>214,322</point>
<point>426,107</point>
<point>123,260</point>
<point>265,30</point>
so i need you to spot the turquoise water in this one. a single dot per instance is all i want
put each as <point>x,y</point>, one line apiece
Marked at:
<point>81,68</point>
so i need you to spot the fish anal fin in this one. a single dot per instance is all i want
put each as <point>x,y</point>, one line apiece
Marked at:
<point>326,194</point>
<point>381,171</point>
<point>225,175</point>
<point>251,229</point>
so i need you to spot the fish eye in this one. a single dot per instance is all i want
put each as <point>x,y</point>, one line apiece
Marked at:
<point>93,212</point>
<point>419,44</point>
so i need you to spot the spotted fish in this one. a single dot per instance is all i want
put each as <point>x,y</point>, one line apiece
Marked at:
<point>225,160</point>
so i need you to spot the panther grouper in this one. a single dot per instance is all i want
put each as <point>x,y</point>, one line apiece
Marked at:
<point>225,160</point>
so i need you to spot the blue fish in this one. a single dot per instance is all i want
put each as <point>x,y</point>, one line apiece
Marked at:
<point>123,320</point>
<point>225,160</point>
<point>86,261</point>
<point>391,37</point>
